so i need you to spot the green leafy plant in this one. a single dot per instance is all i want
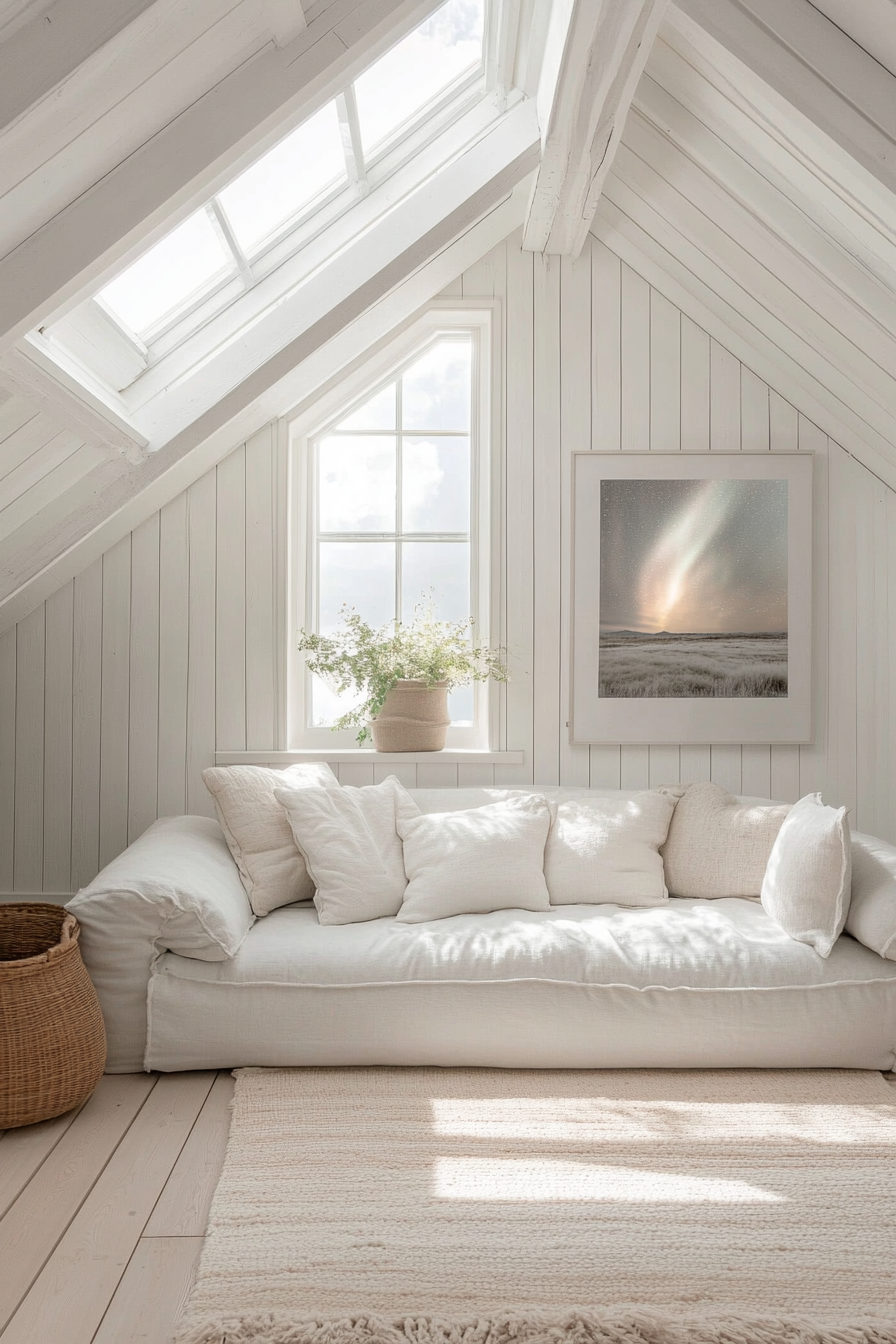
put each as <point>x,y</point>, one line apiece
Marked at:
<point>372,661</point>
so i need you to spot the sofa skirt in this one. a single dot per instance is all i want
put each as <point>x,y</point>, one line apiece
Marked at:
<point>197,1023</point>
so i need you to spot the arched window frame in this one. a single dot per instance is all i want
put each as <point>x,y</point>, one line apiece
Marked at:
<point>482,319</point>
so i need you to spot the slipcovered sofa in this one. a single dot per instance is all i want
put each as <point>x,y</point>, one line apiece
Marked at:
<point>189,979</point>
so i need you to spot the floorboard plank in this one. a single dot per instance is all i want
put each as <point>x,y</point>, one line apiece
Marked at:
<point>152,1292</point>
<point>24,1151</point>
<point>50,1200</point>
<point>69,1298</point>
<point>182,1210</point>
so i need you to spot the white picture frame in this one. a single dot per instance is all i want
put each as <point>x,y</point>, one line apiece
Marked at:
<point>597,715</point>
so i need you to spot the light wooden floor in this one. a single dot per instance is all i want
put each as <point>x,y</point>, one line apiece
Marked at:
<point>103,1211</point>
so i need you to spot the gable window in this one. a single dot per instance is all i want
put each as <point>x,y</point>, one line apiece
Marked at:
<point>392,515</point>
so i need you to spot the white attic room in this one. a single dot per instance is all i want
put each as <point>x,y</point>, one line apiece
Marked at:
<point>530,973</point>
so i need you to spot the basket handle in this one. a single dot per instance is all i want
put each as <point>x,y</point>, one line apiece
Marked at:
<point>69,933</point>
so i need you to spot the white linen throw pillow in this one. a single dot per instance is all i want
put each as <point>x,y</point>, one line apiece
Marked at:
<point>606,850</point>
<point>351,845</point>
<point>807,883</point>
<point>258,836</point>
<point>716,845</point>
<point>471,862</point>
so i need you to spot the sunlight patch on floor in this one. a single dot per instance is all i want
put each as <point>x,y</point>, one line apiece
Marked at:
<point>531,1180</point>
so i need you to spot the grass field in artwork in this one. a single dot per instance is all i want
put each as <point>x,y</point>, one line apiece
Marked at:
<point>680,666</point>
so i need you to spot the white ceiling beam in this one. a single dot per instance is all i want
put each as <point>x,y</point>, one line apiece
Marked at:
<point>287,19</point>
<point>813,68</point>
<point>594,56</point>
<point>46,50</point>
<point>180,167</point>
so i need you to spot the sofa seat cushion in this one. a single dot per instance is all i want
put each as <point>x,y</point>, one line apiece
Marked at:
<point>691,984</point>
<point>728,943</point>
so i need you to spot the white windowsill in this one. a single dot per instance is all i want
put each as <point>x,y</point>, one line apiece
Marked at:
<point>360,756</point>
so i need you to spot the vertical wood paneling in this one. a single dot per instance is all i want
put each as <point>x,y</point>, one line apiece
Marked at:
<point>230,623</point>
<point>201,525</point>
<point>575,436</point>
<point>115,694</point>
<point>174,634</point>
<point>813,758</point>
<point>29,801</point>
<point>143,709</point>
<point>57,865</point>
<point>7,756</point>
<point>606,420</point>
<point>114,701</point>
<point>518,632</point>
<point>546,634</point>
<point>86,701</point>
<point>260,679</point>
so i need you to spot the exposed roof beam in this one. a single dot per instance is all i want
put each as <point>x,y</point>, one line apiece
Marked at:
<point>287,20</point>
<point>189,158</point>
<point>51,46</point>
<point>594,56</point>
<point>813,67</point>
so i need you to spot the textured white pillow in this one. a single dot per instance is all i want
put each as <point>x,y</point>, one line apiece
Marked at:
<point>351,846</point>
<point>256,830</point>
<point>872,908</point>
<point>468,863</point>
<point>717,846</point>
<point>807,882</point>
<point>607,850</point>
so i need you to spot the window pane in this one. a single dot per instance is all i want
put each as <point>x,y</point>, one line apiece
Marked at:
<point>436,485</point>
<point>418,69</point>
<point>169,274</point>
<point>327,705</point>
<point>436,390</point>
<point>360,574</point>
<point>357,484</point>
<point>460,706</point>
<point>285,179</point>
<point>440,569</point>
<point>377,413</point>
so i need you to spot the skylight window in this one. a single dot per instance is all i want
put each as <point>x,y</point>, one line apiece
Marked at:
<point>169,275</point>
<point>418,69</point>
<point>285,179</point>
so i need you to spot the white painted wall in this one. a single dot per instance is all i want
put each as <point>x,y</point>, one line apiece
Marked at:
<point>115,693</point>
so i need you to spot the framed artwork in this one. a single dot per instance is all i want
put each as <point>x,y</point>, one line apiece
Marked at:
<point>692,597</point>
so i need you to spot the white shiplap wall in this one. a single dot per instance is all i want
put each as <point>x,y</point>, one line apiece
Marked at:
<point>115,692</point>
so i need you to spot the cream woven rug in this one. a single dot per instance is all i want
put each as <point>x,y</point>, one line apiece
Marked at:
<point>474,1206</point>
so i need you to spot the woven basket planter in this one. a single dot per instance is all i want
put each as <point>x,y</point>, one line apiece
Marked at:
<point>414,717</point>
<point>52,1038</point>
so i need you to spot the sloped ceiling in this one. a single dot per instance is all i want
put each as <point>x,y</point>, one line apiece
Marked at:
<point>755,184</point>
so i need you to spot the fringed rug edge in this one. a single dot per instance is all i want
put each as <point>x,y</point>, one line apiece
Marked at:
<point>573,1327</point>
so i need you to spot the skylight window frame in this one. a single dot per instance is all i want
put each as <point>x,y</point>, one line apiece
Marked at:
<point>205,310</point>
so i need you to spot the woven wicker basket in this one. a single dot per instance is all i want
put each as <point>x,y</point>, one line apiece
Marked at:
<point>52,1039</point>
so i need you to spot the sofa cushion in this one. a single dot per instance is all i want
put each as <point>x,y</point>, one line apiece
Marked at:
<point>872,908</point>
<point>684,985</point>
<point>486,858</point>
<point>717,846</point>
<point>607,849</point>
<point>257,832</point>
<point>349,839</point>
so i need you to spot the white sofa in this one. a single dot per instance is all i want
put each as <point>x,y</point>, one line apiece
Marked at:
<point>188,979</point>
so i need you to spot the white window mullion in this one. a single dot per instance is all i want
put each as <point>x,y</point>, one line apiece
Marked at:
<point>221,223</point>
<point>350,130</point>
<point>399,456</point>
